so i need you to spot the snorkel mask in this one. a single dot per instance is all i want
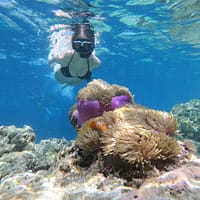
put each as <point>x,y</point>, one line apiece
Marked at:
<point>83,39</point>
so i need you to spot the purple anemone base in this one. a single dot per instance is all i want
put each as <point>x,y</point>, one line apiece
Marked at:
<point>94,108</point>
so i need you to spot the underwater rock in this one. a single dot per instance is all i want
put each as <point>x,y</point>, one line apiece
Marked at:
<point>27,176</point>
<point>26,160</point>
<point>48,149</point>
<point>188,117</point>
<point>16,139</point>
<point>181,183</point>
<point>19,153</point>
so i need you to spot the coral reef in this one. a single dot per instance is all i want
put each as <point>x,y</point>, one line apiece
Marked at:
<point>123,151</point>
<point>103,91</point>
<point>188,117</point>
<point>56,176</point>
<point>17,146</point>
<point>17,139</point>
<point>135,138</point>
<point>131,136</point>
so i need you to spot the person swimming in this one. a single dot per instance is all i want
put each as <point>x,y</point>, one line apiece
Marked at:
<point>73,56</point>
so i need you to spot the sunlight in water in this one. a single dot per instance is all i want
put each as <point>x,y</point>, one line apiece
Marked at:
<point>67,91</point>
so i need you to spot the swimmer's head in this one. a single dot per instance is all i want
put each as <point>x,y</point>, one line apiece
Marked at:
<point>83,39</point>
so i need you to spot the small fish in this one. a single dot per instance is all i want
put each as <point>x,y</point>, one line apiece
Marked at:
<point>96,125</point>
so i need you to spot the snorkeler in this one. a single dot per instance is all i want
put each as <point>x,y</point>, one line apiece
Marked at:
<point>72,54</point>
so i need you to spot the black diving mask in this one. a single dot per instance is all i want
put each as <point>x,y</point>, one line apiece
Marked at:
<point>83,47</point>
<point>83,40</point>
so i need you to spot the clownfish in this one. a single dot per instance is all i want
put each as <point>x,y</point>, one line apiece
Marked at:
<point>96,125</point>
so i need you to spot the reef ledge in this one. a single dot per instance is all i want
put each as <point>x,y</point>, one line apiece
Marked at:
<point>48,171</point>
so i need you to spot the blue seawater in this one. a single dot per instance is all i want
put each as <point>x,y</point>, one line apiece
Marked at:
<point>150,46</point>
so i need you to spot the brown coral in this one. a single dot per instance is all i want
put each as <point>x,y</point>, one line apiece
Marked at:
<point>88,137</point>
<point>130,143</point>
<point>154,120</point>
<point>134,136</point>
<point>131,139</point>
<point>139,135</point>
<point>101,90</point>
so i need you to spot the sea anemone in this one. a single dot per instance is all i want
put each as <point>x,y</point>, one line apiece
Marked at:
<point>97,98</point>
<point>89,135</point>
<point>138,145</point>
<point>132,137</point>
<point>102,91</point>
<point>149,119</point>
<point>124,136</point>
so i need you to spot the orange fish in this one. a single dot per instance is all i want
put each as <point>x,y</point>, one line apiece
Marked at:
<point>97,125</point>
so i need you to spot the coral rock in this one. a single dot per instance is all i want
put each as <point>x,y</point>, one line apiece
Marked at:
<point>63,179</point>
<point>137,137</point>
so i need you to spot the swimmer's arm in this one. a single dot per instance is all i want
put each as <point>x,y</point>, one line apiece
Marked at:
<point>94,61</point>
<point>62,57</point>
<point>61,13</point>
<point>59,26</point>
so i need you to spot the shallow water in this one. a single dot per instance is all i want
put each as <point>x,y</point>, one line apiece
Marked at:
<point>149,46</point>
